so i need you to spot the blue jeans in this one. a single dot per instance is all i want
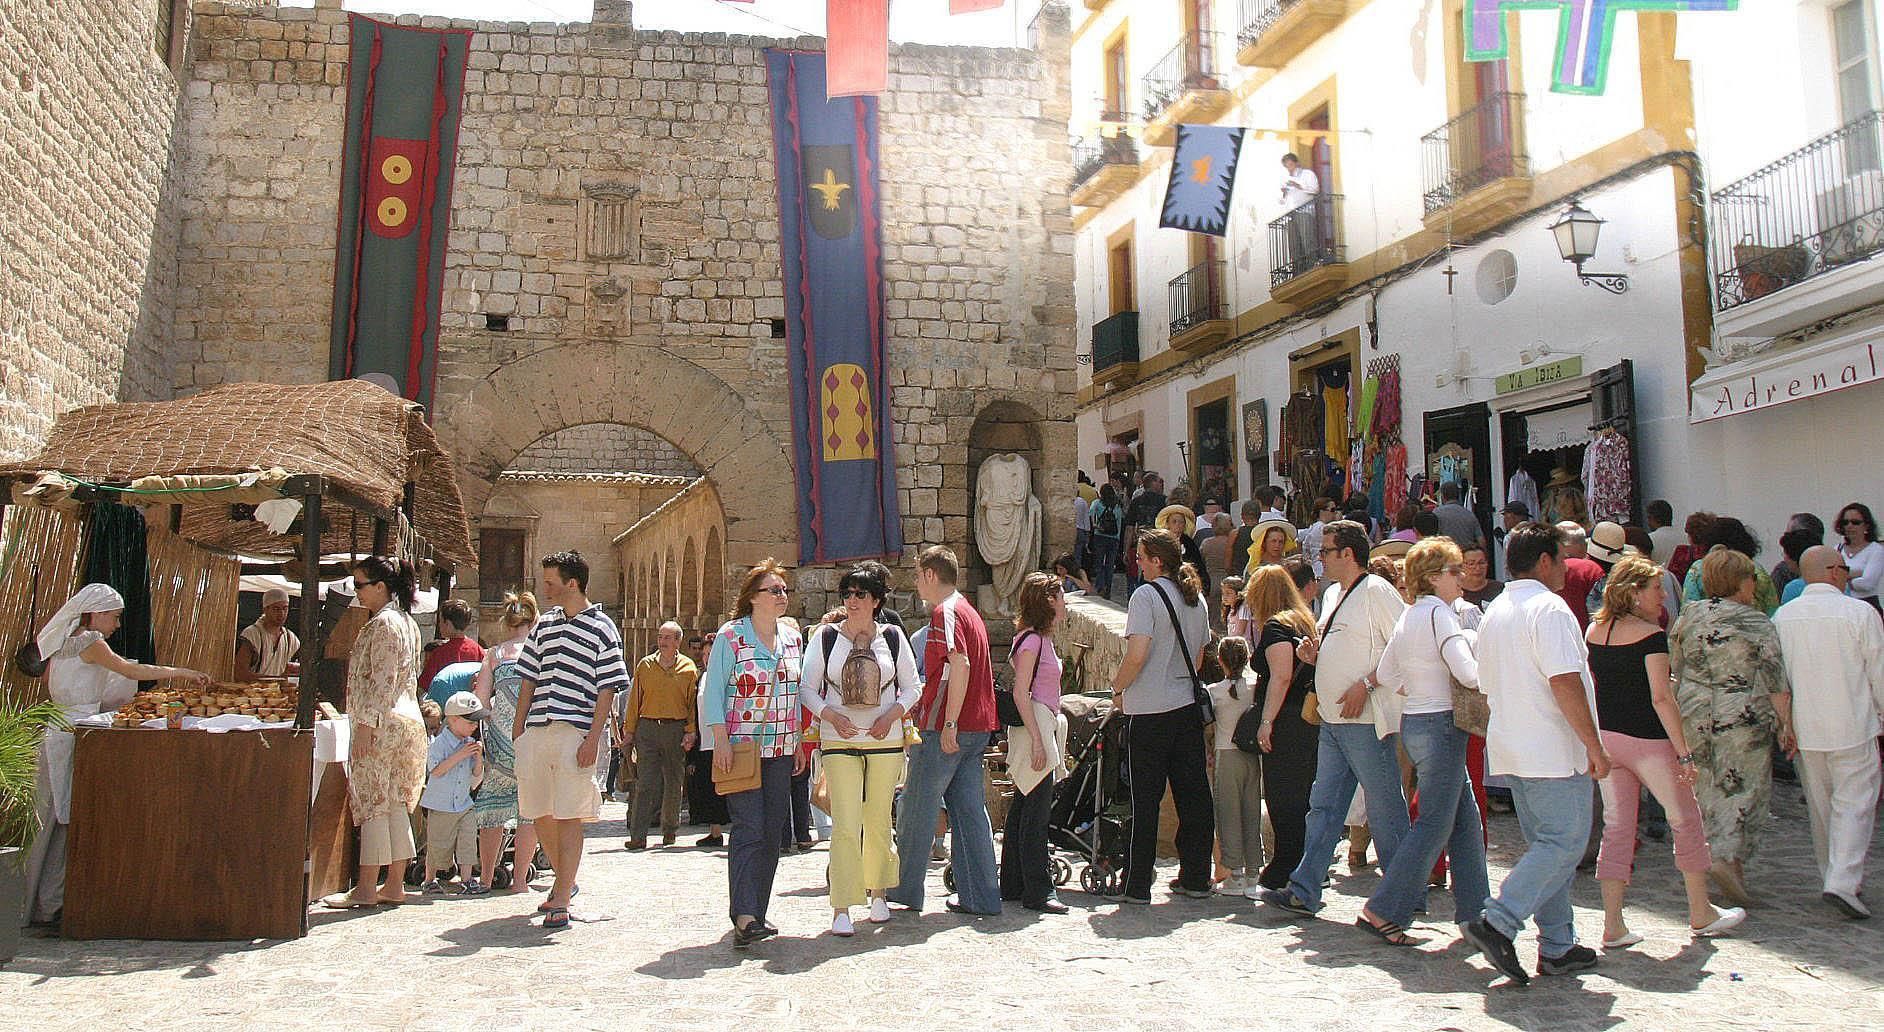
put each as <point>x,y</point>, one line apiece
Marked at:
<point>1448,822</point>
<point>1349,755</point>
<point>936,777</point>
<point>1105,557</point>
<point>761,819</point>
<point>1554,814</point>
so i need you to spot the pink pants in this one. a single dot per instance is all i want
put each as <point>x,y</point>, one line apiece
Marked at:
<point>1637,762</point>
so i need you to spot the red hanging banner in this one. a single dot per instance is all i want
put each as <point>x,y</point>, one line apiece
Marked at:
<point>857,47</point>
<point>971,6</point>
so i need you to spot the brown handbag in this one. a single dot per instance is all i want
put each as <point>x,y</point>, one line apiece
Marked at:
<point>1471,710</point>
<point>743,776</point>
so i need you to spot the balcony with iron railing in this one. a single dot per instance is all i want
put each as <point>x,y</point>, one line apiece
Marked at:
<point>1476,170</point>
<point>1306,259</point>
<point>1115,349</point>
<point>1199,312</point>
<point>1274,31</point>
<point>1794,235</point>
<point>1103,169</point>
<point>1186,85</point>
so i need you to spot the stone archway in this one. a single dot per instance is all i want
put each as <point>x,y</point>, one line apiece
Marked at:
<point>565,385</point>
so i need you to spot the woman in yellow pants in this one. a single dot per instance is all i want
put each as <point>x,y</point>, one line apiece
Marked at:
<point>859,680</point>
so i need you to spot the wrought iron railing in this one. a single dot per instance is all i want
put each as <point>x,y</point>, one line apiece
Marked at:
<point>1814,210</point>
<point>1089,156</point>
<point>1115,341</point>
<point>1305,238</point>
<point>1197,296</point>
<point>1480,146</point>
<point>1191,65</point>
<point>1258,17</point>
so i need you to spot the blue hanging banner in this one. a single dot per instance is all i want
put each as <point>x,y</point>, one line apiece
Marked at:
<point>831,247</point>
<point>1203,170</point>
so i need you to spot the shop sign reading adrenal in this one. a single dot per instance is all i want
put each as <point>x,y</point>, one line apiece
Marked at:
<point>1804,376</point>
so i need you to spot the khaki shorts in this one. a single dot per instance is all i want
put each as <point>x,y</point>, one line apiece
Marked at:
<point>549,781</point>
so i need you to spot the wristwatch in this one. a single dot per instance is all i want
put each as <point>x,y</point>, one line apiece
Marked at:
<point>948,725</point>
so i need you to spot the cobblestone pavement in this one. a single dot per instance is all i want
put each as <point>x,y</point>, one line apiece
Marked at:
<point>660,956</point>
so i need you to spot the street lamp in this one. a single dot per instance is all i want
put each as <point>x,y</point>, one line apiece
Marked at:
<point>1577,231</point>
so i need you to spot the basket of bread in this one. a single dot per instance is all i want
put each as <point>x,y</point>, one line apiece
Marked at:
<point>266,700</point>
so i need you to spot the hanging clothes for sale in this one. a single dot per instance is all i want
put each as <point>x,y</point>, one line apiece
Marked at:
<point>1523,489</point>
<point>1387,401</point>
<point>1364,417</point>
<point>1333,382</point>
<point>1377,488</point>
<point>1310,481</point>
<point>1609,479</point>
<point>1395,496</point>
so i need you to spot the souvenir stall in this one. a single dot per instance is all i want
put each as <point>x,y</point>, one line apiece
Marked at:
<point>1570,452</point>
<point>1341,437</point>
<point>187,791</point>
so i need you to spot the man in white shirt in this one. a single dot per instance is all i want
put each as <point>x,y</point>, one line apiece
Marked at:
<point>1660,517</point>
<point>1833,648</point>
<point>1360,613</point>
<point>1534,668</point>
<point>1300,186</point>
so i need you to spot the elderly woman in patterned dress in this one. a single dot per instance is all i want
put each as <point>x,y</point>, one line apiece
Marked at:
<point>386,764</point>
<point>1728,679</point>
<point>750,695</point>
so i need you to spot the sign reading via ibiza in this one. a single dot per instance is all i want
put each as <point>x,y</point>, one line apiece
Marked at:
<point>1536,376</point>
<point>1763,385</point>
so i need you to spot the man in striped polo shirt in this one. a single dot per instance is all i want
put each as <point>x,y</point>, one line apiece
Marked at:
<point>571,669</point>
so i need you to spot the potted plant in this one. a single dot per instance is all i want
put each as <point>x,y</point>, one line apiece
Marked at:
<point>22,724</point>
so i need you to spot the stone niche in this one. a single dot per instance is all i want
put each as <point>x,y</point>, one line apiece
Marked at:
<point>1000,428</point>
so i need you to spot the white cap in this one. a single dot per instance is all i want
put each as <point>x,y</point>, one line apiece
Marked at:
<point>466,705</point>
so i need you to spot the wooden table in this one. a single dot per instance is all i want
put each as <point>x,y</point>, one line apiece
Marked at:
<point>190,835</point>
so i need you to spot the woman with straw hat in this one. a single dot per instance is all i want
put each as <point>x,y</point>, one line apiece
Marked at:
<point>1180,521</point>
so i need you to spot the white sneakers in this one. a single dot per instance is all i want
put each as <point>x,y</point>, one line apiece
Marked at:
<point>879,911</point>
<point>1234,885</point>
<point>840,924</point>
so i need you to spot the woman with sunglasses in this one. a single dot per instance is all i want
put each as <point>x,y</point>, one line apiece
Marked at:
<point>386,763</point>
<point>861,736</point>
<point>751,697</point>
<point>1861,550</point>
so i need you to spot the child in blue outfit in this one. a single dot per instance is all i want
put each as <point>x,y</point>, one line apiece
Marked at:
<point>456,762</point>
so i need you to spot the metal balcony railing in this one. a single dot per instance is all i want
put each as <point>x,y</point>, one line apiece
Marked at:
<point>1089,156</point>
<point>1258,17</point>
<point>1814,210</point>
<point>1115,341</point>
<point>1194,64</point>
<point>1305,238</point>
<point>1482,145</point>
<point>1196,296</point>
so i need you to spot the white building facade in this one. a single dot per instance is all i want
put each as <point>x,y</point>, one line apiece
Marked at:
<point>1426,262</point>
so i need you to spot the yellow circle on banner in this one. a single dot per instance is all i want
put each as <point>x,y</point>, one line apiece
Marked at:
<point>392,212</point>
<point>397,169</point>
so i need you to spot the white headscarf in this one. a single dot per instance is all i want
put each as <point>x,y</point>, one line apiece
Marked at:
<point>92,598</point>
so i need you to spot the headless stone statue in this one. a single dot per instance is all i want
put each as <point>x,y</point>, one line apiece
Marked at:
<point>1007,527</point>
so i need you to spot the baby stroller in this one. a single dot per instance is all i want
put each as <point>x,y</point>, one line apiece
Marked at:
<point>1091,815</point>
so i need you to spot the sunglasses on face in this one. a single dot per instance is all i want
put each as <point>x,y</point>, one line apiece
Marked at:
<point>857,593</point>
<point>1851,523</point>
<point>358,584</point>
<point>776,592</point>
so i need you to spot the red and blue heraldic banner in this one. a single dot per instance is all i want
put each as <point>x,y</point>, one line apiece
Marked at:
<point>405,92</point>
<point>831,245</point>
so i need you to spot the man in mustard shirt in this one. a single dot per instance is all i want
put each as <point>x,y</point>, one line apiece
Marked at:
<point>659,724</point>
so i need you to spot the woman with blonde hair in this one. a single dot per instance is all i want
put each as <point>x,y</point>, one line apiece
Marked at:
<point>1731,688</point>
<point>497,687</point>
<point>1640,724</point>
<point>1034,746</point>
<point>859,681</point>
<point>1281,621</point>
<point>1427,654</point>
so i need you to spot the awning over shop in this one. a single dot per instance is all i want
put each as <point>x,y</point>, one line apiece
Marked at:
<point>1773,378</point>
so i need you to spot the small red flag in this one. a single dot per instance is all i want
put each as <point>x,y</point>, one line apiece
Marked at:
<point>971,6</point>
<point>858,47</point>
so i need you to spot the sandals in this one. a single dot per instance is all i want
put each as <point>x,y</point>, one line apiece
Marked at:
<point>544,907</point>
<point>557,917</point>
<point>344,901</point>
<point>1387,932</point>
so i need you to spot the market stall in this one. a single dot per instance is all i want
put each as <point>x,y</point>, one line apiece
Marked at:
<point>187,792</point>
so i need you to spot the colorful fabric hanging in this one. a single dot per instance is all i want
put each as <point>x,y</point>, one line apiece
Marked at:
<point>857,47</point>
<point>1610,484</point>
<point>1395,496</point>
<point>1203,171</point>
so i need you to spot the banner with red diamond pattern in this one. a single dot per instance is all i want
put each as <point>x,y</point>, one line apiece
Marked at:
<point>830,244</point>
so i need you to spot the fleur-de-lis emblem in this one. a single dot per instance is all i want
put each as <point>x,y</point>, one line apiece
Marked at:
<point>830,189</point>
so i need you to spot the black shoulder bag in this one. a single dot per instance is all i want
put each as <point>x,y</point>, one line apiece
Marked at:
<point>1199,694</point>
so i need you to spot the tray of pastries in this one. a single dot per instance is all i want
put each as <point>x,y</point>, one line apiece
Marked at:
<point>267,700</point>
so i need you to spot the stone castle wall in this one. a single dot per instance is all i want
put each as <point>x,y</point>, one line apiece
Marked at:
<point>88,221</point>
<point>606,448</point>
<point>676,300</point>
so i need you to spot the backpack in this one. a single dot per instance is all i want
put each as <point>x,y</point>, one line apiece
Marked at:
<point>896,645</point>
<point>1004,707</point>
<point>1107,522</point>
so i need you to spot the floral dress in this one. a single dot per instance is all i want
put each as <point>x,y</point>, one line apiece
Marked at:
<point>754,690</point>
<point>1727,667</point>
<point>496,804</point>
<point>386,770</point>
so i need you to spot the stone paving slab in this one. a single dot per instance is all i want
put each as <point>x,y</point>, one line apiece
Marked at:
<point>657,954</point>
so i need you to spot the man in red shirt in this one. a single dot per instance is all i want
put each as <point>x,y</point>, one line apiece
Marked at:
<point>957,717</point>
<point>1580,572</point>
<point>454,618</point>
